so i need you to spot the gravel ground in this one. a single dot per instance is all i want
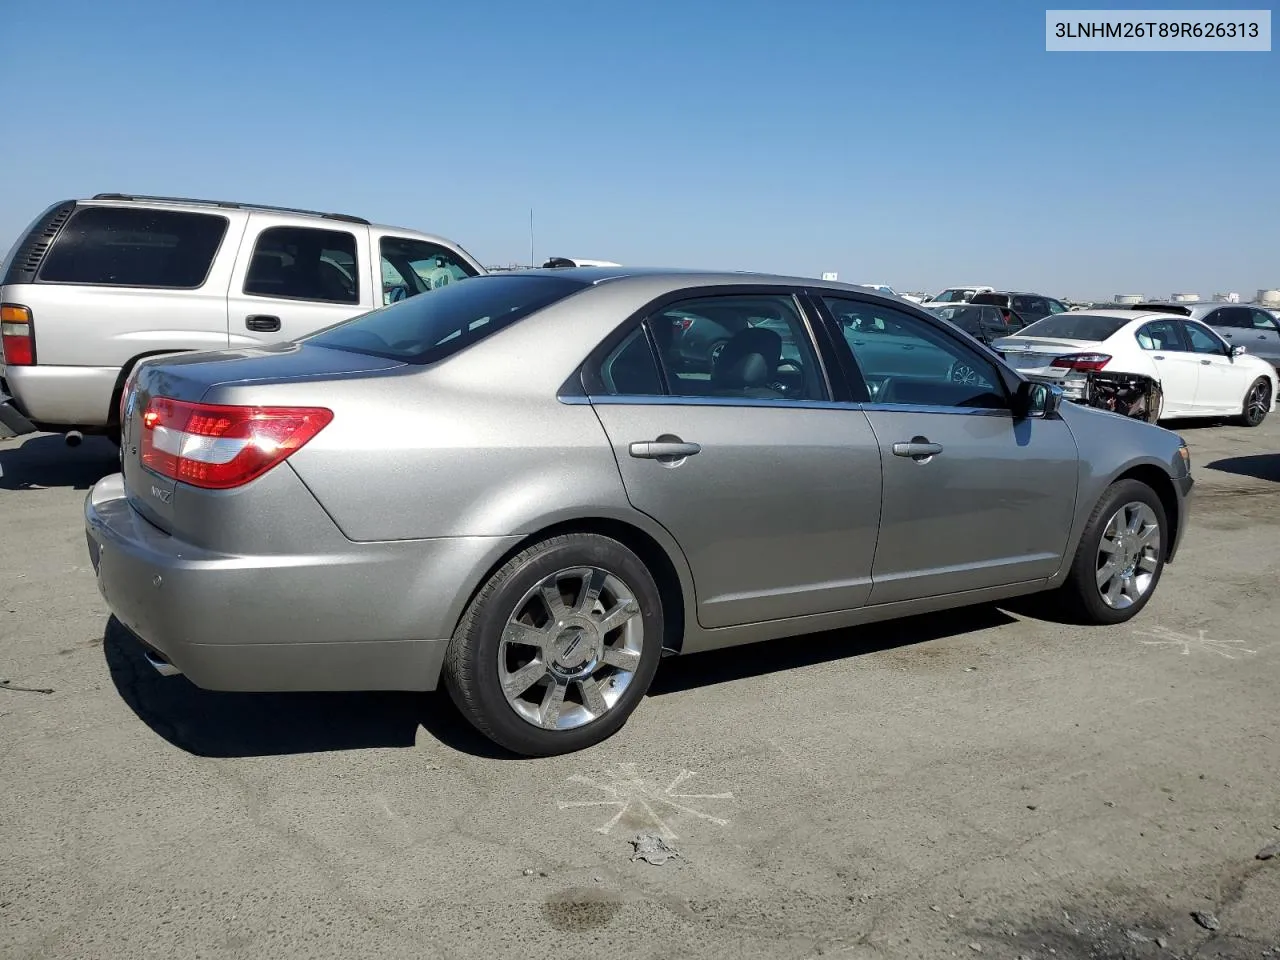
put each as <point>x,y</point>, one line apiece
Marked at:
<point>976,783</point>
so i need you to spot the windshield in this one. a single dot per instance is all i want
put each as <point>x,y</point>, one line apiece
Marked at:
<point>1075,326</point>
<point>427,329</point>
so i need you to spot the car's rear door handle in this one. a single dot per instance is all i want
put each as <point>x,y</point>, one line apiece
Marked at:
<point>918,449</point>
<point>262,323</point>
<point>1206,362</point>
<point>664,449</point>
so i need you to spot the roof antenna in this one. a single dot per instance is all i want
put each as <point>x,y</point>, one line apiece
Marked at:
<point>533,261</point>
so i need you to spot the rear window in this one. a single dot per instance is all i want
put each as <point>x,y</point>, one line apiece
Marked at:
<point>427,329</point>
<point>995,299</point>
<point>967,318</point>
<point>130,247</point>
<point>1075,326</point>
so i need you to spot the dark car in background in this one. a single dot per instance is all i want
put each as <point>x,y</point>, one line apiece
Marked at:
<point>1240,324</point>
<point>984,322</point>
<point>1029,306</point>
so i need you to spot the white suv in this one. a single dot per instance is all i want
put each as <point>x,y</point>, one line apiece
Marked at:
<point>93,286</point>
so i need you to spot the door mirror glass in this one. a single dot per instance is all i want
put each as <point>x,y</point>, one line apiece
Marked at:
<point>1036,399</point>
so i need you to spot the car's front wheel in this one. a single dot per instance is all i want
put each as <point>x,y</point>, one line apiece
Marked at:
<point>1120,556</point>
<point>558,647</point>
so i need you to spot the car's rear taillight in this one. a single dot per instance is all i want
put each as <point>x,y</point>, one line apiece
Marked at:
<point>218,446</point>
<point>1082,361</point>
<point>17,338</point>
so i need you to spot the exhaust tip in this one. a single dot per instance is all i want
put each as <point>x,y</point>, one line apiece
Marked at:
<point>73,438</point>
<point>159,664</point>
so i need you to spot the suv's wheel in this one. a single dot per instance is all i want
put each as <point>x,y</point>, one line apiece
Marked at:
<point>558,647</point>
<point>1120,557</point>
<point>1257,403</point>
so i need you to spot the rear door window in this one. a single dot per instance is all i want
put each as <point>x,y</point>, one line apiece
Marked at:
<point>305,263</point>
<point>1237,317</point>
<point>1160,335</point>
<point>135,247</point>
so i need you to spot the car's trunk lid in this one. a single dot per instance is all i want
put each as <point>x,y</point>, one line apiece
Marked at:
<point>190,377</point>
<point>1037,353</point>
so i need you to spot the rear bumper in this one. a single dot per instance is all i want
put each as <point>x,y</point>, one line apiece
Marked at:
<point>370,617</point>
<point>63,396</point>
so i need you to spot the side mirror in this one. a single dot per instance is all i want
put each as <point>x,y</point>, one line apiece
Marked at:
<point>1238,352</point>
<point>1035,399</point>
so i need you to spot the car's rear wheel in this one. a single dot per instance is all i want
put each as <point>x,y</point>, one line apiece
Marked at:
<point>1120,556</point>
<point>1257,403</point>
<point>558,647</point>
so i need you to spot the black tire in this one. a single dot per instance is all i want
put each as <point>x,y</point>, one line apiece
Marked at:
<point>1257,403</point>
<point>471,664</point>
<point>1080,596</point>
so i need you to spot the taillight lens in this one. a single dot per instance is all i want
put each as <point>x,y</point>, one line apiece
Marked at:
<point>17,339</point>
<point>218,446</point>
<point>1082,361</point>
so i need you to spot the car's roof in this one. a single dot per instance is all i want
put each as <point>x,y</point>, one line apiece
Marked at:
<point>679,277</point>
<point>199,205</point>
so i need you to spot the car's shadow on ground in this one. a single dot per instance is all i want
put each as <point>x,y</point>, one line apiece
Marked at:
<point>790,653</point>
<point>1260,466</point>
<point>210,724</point>
<point>46,461</point>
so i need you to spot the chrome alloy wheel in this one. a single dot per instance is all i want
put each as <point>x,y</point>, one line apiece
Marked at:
<point>1258,403</point>
<point>571,648</point>
<point>1128,555</point>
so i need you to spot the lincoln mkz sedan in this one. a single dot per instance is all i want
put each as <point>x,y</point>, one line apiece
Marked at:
<point>517,488</point>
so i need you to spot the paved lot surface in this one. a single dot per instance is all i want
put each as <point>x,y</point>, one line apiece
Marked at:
<point>981,782</point>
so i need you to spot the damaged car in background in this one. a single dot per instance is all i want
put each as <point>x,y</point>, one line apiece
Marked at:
<point>1149,366</point>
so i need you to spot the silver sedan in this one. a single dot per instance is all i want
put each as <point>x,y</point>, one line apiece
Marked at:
<point>514,486</point>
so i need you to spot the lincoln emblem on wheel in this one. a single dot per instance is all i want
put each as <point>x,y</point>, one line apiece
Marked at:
<point>583,470</point>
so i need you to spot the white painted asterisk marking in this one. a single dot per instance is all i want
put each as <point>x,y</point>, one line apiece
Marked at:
<point>631,793</point>
<point>1164,637</point>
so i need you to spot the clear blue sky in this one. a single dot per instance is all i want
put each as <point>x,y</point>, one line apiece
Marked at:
<point>917,144</point>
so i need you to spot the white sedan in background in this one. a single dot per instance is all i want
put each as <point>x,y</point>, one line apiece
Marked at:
<point>1200,374</point>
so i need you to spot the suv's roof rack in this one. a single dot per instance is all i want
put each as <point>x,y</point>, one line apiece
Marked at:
<point>232,204</point>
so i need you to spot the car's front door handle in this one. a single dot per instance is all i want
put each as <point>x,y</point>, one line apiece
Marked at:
<point>664,450</point>
<point>918,449</point>
<point>262,323</point>
<point>1206,362</point>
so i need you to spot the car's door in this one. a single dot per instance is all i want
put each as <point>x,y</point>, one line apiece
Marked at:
<point>1177,368</point>
<point>972,498</point>
<point>1264,337</point>
<point>291,279</point>
<point>771,489</point>
<point>1221,386</point>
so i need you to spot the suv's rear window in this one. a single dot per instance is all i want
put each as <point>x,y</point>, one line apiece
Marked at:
<point>1075,326</point>
<point>427,329</point>
<point>131,247</point>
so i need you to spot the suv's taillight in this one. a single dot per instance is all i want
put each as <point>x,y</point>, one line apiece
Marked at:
<point>218,446</point>
<point>1082,361</point>
<point>17,339</point>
